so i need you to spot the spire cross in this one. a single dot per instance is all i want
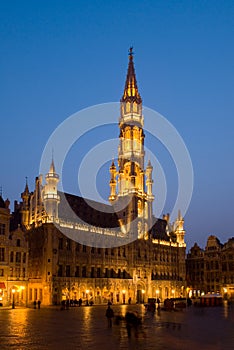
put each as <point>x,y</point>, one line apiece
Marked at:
<point>130,52</point>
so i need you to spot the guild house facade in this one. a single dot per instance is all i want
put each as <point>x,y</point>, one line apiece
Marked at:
<point>211,270</point>
<point>128,253</point>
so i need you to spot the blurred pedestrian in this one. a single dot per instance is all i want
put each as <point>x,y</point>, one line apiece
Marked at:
<point>132,321</point>
<point>35,304</point>
<point>39,304</point>
<point>109,316</point>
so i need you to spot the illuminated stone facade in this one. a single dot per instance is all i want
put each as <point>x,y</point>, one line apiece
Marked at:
<point>13,260</point>
<point>211,270</point>
<point>151,265</point>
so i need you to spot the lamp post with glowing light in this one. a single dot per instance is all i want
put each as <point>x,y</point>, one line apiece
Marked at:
<point>13,298</point>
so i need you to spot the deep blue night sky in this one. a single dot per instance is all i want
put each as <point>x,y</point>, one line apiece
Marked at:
<point>58,57</point>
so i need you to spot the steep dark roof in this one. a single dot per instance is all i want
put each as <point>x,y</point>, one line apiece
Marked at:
<point>91,212</point>
<point>158,231</point>
<point>101,215</point>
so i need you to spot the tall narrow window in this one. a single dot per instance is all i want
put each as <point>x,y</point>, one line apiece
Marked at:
<point>2,254</point>
<point>68,244</point>
<point>60,243</point>
<point>18,257</point>
<point>77,272</point>
<point>68,271</point>
<point>84,271</point>
<point>2,229</point>
<point>60,271</point>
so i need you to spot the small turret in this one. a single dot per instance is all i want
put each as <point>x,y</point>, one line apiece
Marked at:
<point>113,182</point>
<point>50,195</point>
<point>149,180</point>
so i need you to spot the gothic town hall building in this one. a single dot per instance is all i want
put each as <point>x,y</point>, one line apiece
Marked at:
<point>128,253</point>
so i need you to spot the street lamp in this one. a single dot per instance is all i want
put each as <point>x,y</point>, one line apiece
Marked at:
<point>13,299</point>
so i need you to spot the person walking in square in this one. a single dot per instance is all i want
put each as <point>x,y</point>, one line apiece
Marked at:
<point>109,316</point>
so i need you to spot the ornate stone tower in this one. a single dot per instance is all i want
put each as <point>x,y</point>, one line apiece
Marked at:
<point>50,195</point>
<point>26,205</point>
<point>128,195</point>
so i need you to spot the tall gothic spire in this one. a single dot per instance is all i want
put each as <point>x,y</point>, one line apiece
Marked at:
<point>131,90</point>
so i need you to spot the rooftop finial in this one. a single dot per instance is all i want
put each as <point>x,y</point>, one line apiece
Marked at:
<point>130,52</point>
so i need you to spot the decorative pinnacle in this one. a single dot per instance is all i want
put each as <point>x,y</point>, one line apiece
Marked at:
<point>130,53</point>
